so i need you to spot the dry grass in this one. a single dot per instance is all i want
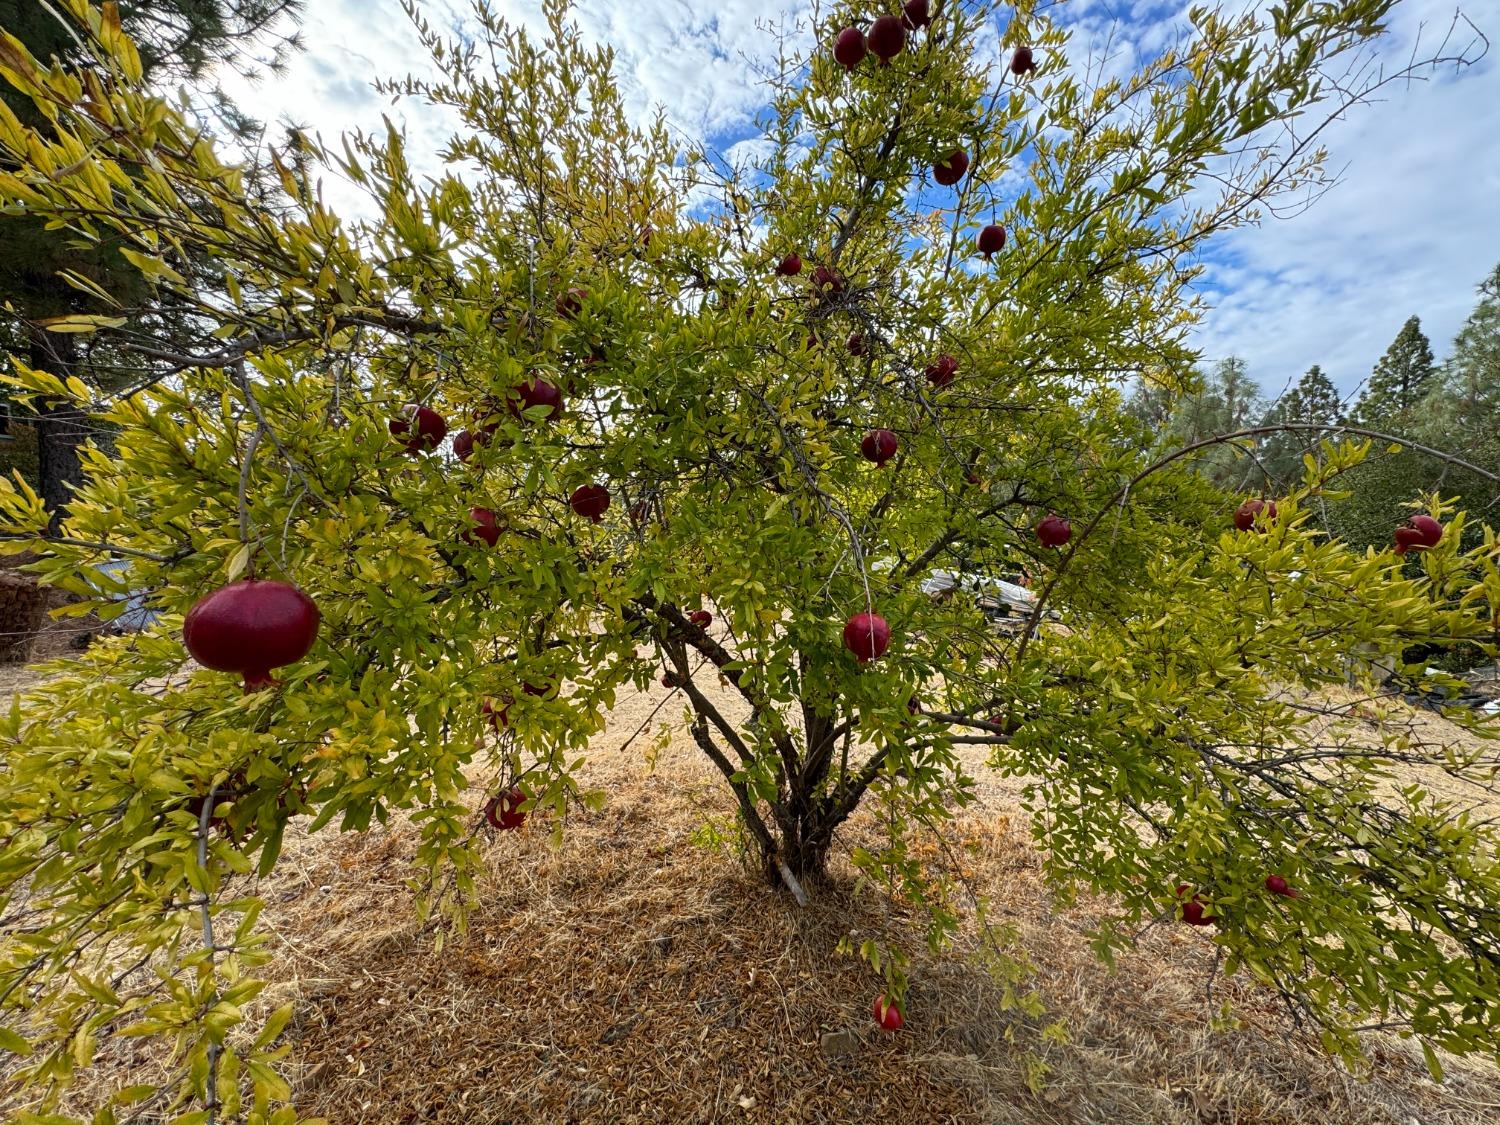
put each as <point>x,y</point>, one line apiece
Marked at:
<point>633,975</point>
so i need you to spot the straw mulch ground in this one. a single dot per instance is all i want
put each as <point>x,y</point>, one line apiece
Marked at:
<point>640,974</point>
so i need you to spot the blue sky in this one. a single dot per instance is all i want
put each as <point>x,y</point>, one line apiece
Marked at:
<point>1411,228</point>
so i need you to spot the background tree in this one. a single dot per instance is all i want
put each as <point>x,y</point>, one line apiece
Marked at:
<point>1313,400</point>
<point>571,307</point>
<point>45,274</point>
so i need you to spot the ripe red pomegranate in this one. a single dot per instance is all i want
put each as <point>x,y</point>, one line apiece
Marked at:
<point>1409,539</point>
<point>1193,910</point>
<point>465,440</point>
<point>828,280</point>
<point>915,14</point>
<point>701,618</point>
<point>811,342</point>
<point>486,528</point>
<point>991,240</point>
<point>972,477</point>
<point>431,428</point>
<point>250,627</point>
<point>504,810</point>
<point>856,344</point>
<point>849,47</point>
<point>1245,515</point>
<point>1279,886</point>
<point>570,304</point>
<point>790,266</point>
<point>590,501</point>
<point>668,680</point>
<point>541,691</point>
<point>887,37</point>
<point>940,371</point>
<point>1432,531</point>
<point>867,636</point>
<point>1021,62</point>
<point>951,168</point>
<point>535,392</point>
<point>879,446</point>
<point>887,1015</point>
<point>1054,531</point>
<point>498,716</point>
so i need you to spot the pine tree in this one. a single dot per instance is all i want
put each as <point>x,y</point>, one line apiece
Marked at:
<point>180,41</point>
<point>1313,400</point>
<point>1399,381</point>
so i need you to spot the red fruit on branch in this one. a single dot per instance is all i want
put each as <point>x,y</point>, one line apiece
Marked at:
<point>1432,531</point>
<point>1054,531</point>
<point>1409,539</point>
<point>849,48</point>
<point>1021,62</point>
<point>940,372</point>
<point>879,446</point>
<point>951,168</point>
<point>541,691</point>
<point>915,14</point>
<point>486,528</point>
<point>913,706</point>
<point>498,716</point>
<point>1194,913</point>
<point>504,810</point>
<point>856,344</point>
<point>701,618</point>
<point>590,501</point>
<point>867,636</point>
<point>570,304</point>
<point>887,37</point>
<point>991,240</point>
<point>426,428</point>
<point>1245,516</point>
<point>828,280</point>
<point>535,392</point>
<point>790,266</point>
<point>250,627</point>
<point>887,1015</point>
<point>972,478</point>
<point>1279,886</point>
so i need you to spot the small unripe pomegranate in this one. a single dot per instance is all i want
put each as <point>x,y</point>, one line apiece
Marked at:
<point>430,428</point>
<point>887,37</point>
<point>504,810</point>
<point>570,304</point>
<point>1409,539</point>
<point>849,47</point>
<point>940,371</point>
<point>1054,531</point>
<point>1245,516</point>
<point>887,1015</point>
<point>590,501</point>
<point>951,168</point>
<point>486,528</point>
<point>1194,913</point>
<point>856,344</point>
<point>250,627</point>
<point>828,280</point>
<point>535,392</point>
<point>701,618</point>
<point>1279,886</point>
<point>915,14</point>
<point>1021,62</point>
<point>879,446</point>
<point>790,266</point>
<point>867,636</point>
<point>991,240</point>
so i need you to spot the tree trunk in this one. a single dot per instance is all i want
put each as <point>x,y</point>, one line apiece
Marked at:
<point>60,428</point>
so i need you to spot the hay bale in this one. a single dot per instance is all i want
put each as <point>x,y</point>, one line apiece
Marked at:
<point>23,611</point>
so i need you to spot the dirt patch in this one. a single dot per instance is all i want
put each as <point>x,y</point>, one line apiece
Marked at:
<point>640,973</point>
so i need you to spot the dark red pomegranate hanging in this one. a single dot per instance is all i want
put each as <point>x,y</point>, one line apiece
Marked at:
<point>951,168</point>
<point>535,392</point>
<point>504,810</point>
<point>867,636</point>
<point>940,371</point>
<point>1054,531</point>
<point>879,446</point>
<point>250,627</point>
<point>991,240</point>
<point>426,428</point>
<point>849,48</point>
<point>886,38</point>
<point>485,528</point>
<point>590,501</point>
